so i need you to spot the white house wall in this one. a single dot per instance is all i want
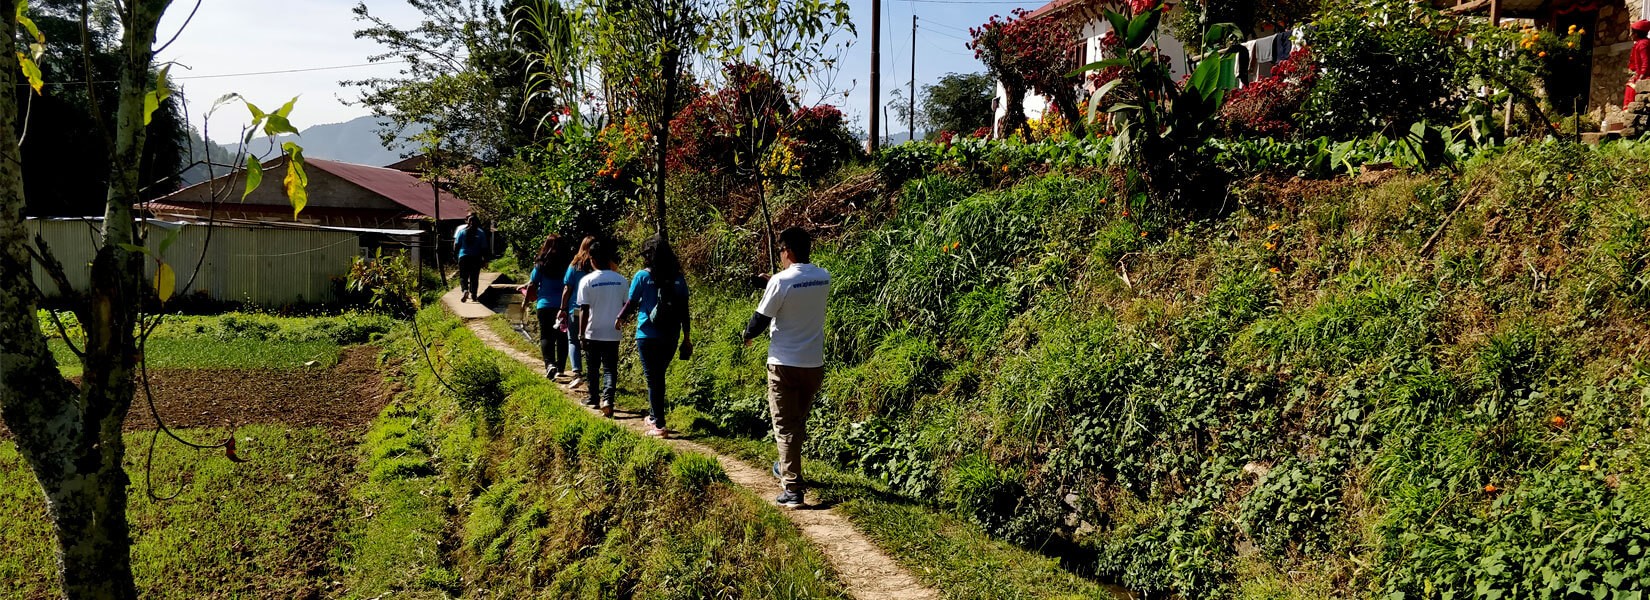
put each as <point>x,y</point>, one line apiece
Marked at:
<point>1092,31</point>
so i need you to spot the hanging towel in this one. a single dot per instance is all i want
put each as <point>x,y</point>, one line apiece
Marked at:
<point>1241,65</point>
<point>1264,58</point>
<point>1282,46</point>
<point>1251,69</point>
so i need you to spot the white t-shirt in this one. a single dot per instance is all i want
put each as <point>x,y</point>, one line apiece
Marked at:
<point>604,292</point>
<point>795,300</point>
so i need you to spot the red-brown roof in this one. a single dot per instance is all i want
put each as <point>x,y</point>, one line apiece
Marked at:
<point>398,186</point>
<point>231,207</point>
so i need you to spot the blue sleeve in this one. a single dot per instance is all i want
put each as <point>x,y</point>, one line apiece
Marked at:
<point>568,278</point>
<point>681,287</point>
<point>636,286</point>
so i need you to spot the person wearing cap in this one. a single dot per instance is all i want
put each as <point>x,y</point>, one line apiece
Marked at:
<point>1638,63</point>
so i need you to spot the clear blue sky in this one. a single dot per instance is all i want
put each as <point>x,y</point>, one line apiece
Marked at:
<point>230,37</point>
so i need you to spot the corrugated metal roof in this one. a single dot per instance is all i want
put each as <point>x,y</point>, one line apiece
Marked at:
<point>399,186</point>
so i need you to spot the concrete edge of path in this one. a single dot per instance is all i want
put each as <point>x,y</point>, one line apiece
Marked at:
<point>866,570</point>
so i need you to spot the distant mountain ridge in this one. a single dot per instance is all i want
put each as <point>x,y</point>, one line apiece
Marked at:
<point>354,141</point>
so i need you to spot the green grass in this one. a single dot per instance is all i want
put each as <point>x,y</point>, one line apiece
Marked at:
<point>264,528</point>
<point>235,340</point>
<point>949,553</point>
<point>549,500</point>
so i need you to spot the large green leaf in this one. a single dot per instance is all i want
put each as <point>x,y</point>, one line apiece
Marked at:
<point>254,176</point>
<point>152,100</point>
<point>1116,61</point>
<point>1100,96</point>
<point>1141,28</point>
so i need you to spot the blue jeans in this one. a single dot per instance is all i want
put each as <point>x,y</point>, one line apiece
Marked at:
<point>656,354</point>
<point>574,353</point>
<point>603,359</point>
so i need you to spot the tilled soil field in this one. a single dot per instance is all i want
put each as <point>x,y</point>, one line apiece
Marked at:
<point>345,397</point>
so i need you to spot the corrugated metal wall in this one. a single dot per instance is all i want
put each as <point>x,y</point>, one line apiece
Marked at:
<point>268,267</point>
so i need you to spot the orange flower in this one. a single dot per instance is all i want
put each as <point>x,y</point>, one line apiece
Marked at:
<point>1142,234</point>
<point>1541,55</point>
<point>1557,421</point>
<point>1125,212</point>
<point>1490,488</point>
<point>1275,270</point>
<point>1005,168</point>
<point>1271,245</point>
<point>1272,227</point>
<point>1102,200</point>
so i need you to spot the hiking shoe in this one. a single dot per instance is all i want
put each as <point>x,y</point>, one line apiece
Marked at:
<point>607,411</point>
<point>576,383</point>
<point>551,373</point>
<point>658,433</point>
<point>789,499</point>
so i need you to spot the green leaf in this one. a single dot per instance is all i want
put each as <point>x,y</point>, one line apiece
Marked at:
<point>275,124</point>
<point>1116,61</point>
<point>254,176</point>
<point>1217,35</point>
<point>296,180</point>
<point>286,109</point>
<point>1141,28</point>
<point>166,281</point>
<point>167,241</point>
<point>257,115</point>
<point>28,24</point>
<point>152,100</point>
<point>134,249</point>
<point>31,71</point>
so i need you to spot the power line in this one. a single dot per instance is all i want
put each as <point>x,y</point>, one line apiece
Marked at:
<point>247,74</point>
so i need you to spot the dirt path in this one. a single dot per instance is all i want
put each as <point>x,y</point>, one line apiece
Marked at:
<point>868,572</point>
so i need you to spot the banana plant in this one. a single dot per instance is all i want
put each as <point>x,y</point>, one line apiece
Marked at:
<point>1160,124</point>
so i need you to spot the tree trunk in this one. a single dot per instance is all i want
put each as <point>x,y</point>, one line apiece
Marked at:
<point>671,65</point>
<point>1014,118</point>
<point>1066,103</point>
<point>74,445</point>
<point>767,220</point>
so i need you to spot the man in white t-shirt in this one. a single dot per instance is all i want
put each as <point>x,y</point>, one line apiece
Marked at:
<point>600,299</point>
<point>793,312</point>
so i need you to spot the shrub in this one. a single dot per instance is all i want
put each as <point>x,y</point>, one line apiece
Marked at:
<point>1268,107</point>
<point>696,472</point>
<point>1385,78</point>
<point>478,385</point>
<point>384,284</point>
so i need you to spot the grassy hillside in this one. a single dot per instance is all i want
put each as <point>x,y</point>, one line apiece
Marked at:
<point>1409,386</point>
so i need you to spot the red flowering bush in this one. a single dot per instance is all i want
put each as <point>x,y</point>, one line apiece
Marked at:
<point>1267,107</point>
<point>1029,53</point>
<point>732,131</point>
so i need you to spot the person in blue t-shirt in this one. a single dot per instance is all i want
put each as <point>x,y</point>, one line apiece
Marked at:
<point>545,283</point>
<point>471,243</point>
<point>659,294</point>
<point>577,269</point>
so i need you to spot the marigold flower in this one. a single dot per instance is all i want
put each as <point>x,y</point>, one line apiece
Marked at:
<point>1005,168</point>
<point>1541,54</point>
<point>1275,270</point>
<point>1125,212</point>
<point>1272,227</point>
<point>1102,200</point>
<point>1271,245</point>
<point>1142,234</point>
<point>1490,488</point>
<point>1558,421</point>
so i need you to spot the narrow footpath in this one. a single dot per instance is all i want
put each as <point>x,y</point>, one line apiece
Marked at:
<point>868,572</point>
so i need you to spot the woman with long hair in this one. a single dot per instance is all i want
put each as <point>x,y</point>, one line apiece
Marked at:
<point>545,283</point>
<point>580,266</point>
<point>659,294</point>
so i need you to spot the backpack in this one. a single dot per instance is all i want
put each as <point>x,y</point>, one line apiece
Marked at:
<point>670,312</point>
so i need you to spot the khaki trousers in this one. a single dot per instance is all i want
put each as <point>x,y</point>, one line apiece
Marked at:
<point>791,392</point>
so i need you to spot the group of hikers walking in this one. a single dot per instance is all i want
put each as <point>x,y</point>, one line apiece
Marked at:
<point>583,305</point>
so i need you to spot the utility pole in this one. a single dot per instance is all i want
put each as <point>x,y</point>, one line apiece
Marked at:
<point>912,117</point>
<point>432,162</point>
<point>876,73</point>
